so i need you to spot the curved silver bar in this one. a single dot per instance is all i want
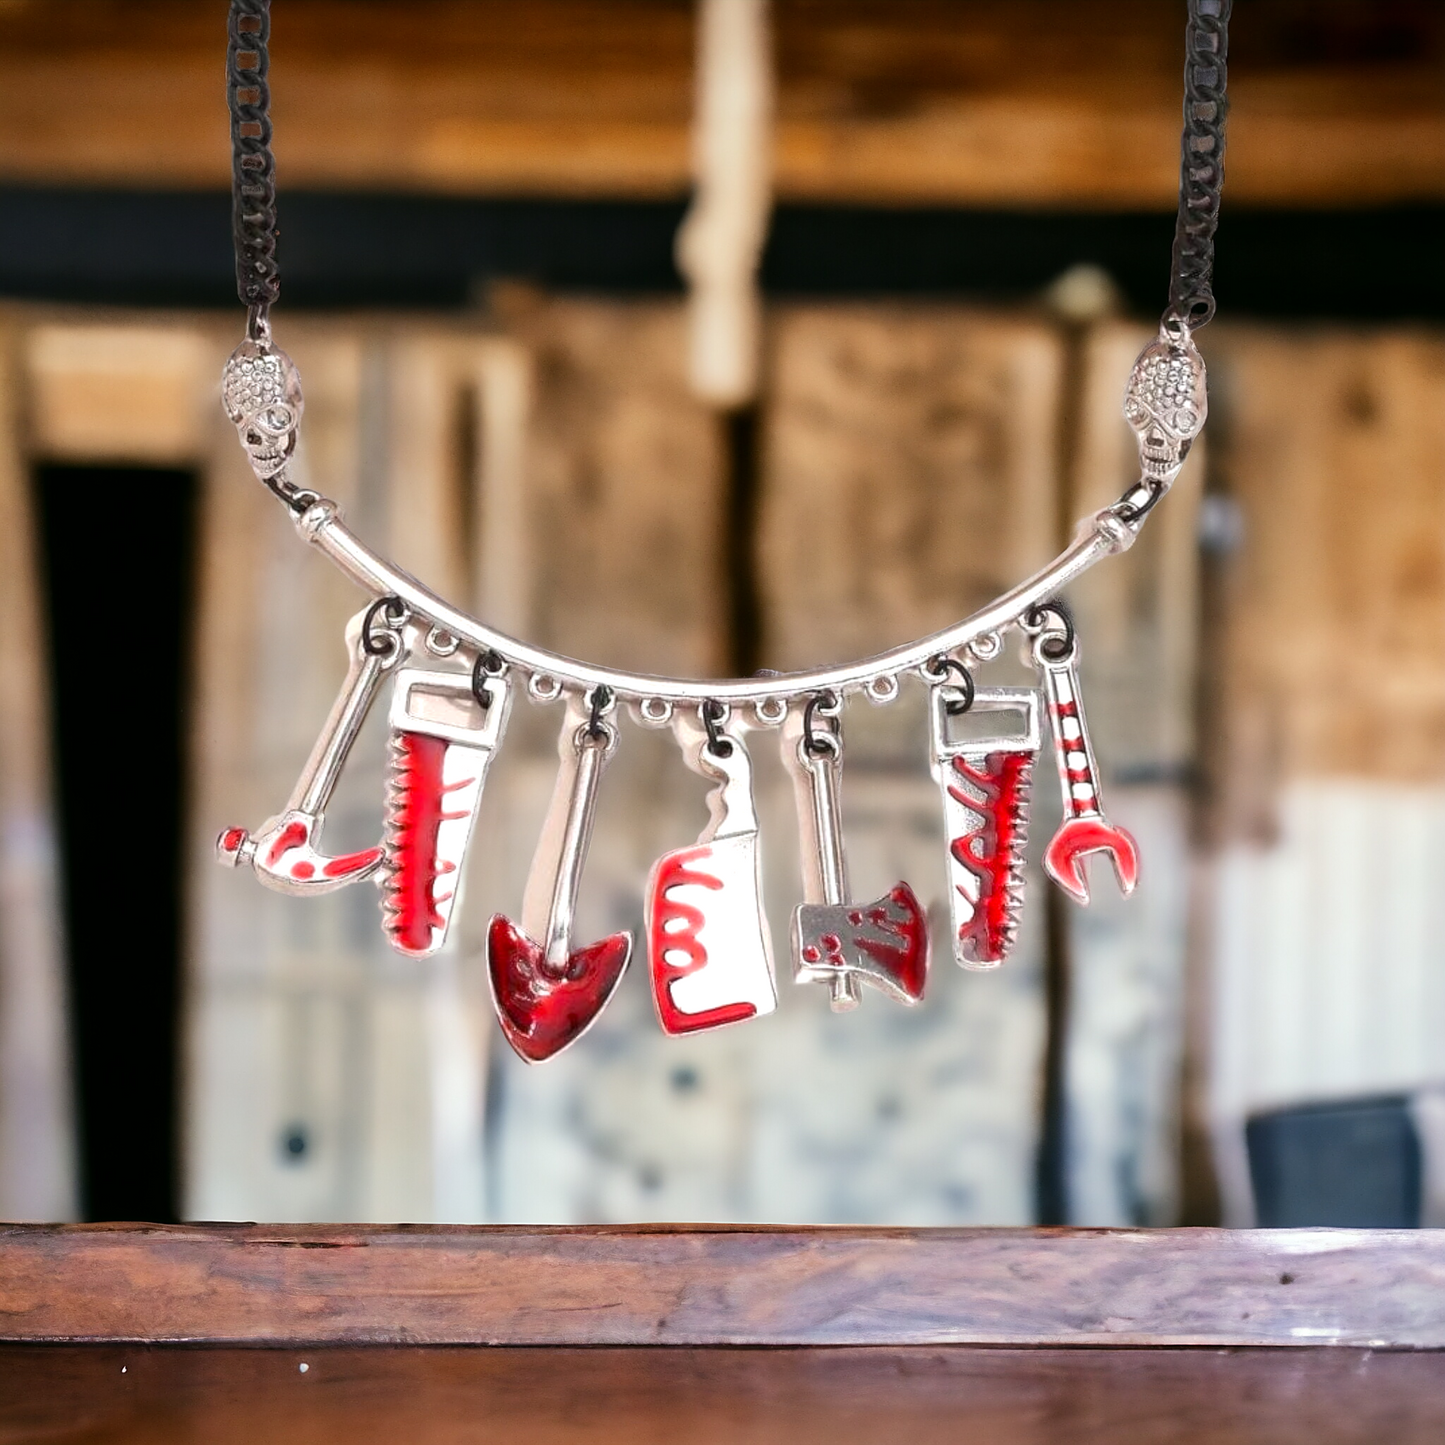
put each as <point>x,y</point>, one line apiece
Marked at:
<point>1099,536</point>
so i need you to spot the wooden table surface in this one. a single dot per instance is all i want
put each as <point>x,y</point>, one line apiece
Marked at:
<point>259,1333</point>
<point>524,1396</point>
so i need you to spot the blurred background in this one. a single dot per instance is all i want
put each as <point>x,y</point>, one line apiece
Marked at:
<point>926,240</point>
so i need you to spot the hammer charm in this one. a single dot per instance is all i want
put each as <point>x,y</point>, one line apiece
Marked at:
<point>285,852</point>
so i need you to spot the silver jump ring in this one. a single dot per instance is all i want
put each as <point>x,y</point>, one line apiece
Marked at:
<point>770,711</point>
<point>543,687</point>
<point>655,711</point>
<point>882,689</point>
<point>441,643</point>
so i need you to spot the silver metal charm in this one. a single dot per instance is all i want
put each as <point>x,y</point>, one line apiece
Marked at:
<point>261,391</point>
<point>1085,829</point>
<point>883,943</point>
<point>442,743</point>
<point>707,938</point>
<point>985,778</point>
<point>285,851</point>
<point>548,993</point>
<point>1166,402</point>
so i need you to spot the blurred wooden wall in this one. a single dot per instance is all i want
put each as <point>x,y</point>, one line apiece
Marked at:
<point>1029,102</point>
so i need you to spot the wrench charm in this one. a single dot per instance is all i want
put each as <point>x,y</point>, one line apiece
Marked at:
<point>707,938</point>
<point>285,852</point>
<point>547,993</point>
<point>1085,829</point>
<point>883,943</point>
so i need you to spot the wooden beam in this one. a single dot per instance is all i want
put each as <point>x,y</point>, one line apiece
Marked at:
<point>328,1284</point>
<point>1037,102</point>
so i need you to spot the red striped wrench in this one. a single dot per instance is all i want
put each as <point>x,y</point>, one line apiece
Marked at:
<point>1085,829</point>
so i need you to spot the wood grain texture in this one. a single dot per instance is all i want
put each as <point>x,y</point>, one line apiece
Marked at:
<point>1332,443</point>
<point>1034,102</point>
<point>127,1395</point>
<point>909,472</point>
<point>639,1286</point>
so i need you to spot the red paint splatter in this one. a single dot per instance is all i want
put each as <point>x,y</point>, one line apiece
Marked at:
<point>904,961</point>
<point>416,813</point>
<point>543,1009</point>
<point>350,863</point>
<point>293,835</point>
<point>674,872</point>
<point>991,852</point>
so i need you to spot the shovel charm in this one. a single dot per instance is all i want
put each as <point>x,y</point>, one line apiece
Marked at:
<point>707,938</point>
<point>547,993</point>
<point>286,851</point>
<point>1085,829</point>
<point>884,943</point>
<point>985,781</point>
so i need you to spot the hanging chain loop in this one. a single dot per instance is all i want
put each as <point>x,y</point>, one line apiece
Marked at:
<point>1201,164</point>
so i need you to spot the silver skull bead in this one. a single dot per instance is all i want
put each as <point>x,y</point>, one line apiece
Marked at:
<point>261,391</point>
<point>1166,402</point>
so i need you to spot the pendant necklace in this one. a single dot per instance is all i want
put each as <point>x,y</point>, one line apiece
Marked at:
<point>453,681</point>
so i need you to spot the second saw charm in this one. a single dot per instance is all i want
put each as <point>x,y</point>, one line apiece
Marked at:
<point>1085,829</point>
<point>548,993</point>
<point>707,938</point>
<point>883,943</point>
<point>985,780</point>
<point>442,742</point>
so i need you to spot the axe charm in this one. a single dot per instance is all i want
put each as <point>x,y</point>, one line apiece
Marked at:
<point>285,852</point>
<point>547,994</point>
<point>985,781</point>
<point>884,943</point>
<point>442,742</point>
<point>1085,829</point>
<point>707,939</point>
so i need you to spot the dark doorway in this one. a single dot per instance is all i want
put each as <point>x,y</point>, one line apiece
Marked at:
<point>118,645</point>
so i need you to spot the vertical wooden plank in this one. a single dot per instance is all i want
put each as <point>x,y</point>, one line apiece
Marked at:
<point>1138,620</point>
<point>909,476</point>
<point>621,548</point>
<point>37,1140</point>
<point>1329,768</point>
<point>333,1079</point>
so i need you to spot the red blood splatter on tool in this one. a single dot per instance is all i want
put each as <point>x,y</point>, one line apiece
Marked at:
<point>992,852</point>
<point>543,1009</point>
<point>903,952</point>
<point>674,871</point>
<point>350,863</point>
<point>414,820</point>
<point>293,835</point>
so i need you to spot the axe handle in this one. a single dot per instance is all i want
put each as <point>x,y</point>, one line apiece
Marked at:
<point>822,771</point>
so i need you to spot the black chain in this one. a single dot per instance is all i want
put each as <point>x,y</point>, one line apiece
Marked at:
<point>1201,166</point>
<point>253,168</point>
<point>1201,170</point>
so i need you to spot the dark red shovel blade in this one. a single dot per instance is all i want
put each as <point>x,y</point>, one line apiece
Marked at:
<point>543,1009</point>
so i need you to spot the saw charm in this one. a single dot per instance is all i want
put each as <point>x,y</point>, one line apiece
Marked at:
<point>985,779</point>
<point>442,742</point>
